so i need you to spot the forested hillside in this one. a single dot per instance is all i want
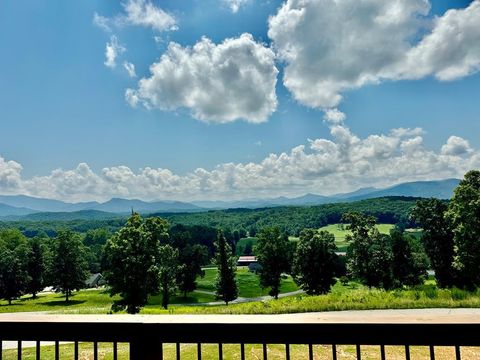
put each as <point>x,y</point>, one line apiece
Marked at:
<point>291,219</point>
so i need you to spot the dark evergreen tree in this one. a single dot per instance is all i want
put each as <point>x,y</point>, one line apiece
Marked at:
<point>226,287</point>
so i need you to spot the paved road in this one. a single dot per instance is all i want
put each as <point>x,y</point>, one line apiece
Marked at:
<point>241,300</point>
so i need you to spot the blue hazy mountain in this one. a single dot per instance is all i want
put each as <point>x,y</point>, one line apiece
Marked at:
<point>21,205</point>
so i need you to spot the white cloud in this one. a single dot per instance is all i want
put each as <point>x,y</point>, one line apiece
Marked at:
<point>10,175</point>
<point>341,163</point>
<point>218,83</point>
<point>334,116</point>
<point>451,50</point>
<point>130,69</point>
<point>235,5</point>
<point>145,13</point>
<point>330,46</point>
<point>456,146</point>
<point>102,22</point>
<point>112,50</point>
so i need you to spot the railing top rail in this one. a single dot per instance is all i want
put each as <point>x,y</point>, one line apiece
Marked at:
<point>406,316</point>
<point>246,329</point>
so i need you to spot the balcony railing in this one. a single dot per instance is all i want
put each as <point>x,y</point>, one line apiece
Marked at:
<point>148,334</point>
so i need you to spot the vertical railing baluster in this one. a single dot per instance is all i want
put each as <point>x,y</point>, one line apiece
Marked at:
<point>75,350</point>
<point>115,351</point>
<point>95,350</point>
<point>265,352</point>
<point>407,352</point>
<point>458,354</point>
<point>19,350</point>
<point>382,352</point>
<point>220,351</point>
<point>57,350</point>
<point>242,351</point>
<point>199,351</point>
<point>37,350</point>
<point>432,352</point>
<point>1,349</point>
<point>178,351</point>
<point>334,352</point>
<point>359,353</point>
<point>310,351</point>
<point>287,351</point>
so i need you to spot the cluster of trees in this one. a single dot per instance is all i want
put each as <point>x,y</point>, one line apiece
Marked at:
<point>451,234</point>
<point>29,265</point>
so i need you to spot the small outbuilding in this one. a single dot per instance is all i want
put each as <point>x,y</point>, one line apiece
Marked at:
<point>95,280</point>
<point>246,260</point>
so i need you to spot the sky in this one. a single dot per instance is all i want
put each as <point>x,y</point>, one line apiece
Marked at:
<point>234,99</point>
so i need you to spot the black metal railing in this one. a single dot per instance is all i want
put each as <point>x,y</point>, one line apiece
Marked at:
<point>147,338</point>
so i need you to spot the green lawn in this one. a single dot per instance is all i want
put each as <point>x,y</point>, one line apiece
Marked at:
<point>248,283</point>
<point>343,297</point>
<point>252,351</point>
<point>339,231</point>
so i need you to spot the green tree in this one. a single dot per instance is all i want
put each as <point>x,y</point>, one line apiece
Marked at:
<point>167,272</point>
<point>132,261</point>
<point>380,261</point>
<point>226,287</point>
<point>191,259</point>
<point>315,261</point>
<point>464,214</point>
<point>69,267</point>
<point>273,254</point>
<point>409,261</point>
<point>437,238</point>
<point>13,264</point>
<point>360,240</point>
<point>35,267</point>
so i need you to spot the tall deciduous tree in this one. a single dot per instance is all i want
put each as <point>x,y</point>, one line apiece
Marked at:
<point>191,259</point>
<point>273,254</point>
<point>69,265</point>
<point>226,287</point>
<point>132,261</point>
<point>409,261</point>
<point>437,238</point>
<point>315,261</point>
<point>464,214</point>
<point>13,264</point>
<point>35,267</point>
<point>167,272</point>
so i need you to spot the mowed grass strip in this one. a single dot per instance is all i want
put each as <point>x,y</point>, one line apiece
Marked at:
<point>252,351</point>
<point>248,283</point>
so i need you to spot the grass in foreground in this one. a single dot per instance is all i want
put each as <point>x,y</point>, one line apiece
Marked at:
<point>343,297</point>
<point>275,352</point>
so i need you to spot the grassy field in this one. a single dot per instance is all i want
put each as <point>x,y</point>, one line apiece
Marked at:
<point>343,297</point>
<point>248,283</point>
<point>339,231</point>
<point>252,351</point>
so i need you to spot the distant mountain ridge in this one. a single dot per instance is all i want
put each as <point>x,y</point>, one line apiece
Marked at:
<point>21,205</point>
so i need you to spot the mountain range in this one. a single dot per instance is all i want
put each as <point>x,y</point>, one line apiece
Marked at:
<point>32,208</point>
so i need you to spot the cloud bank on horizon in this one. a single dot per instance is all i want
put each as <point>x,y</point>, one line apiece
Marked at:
<point>324,166</point>
<point>320,51</point>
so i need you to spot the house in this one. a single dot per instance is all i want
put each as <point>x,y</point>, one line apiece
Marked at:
<point>246,260</point>
<point>95,280</point>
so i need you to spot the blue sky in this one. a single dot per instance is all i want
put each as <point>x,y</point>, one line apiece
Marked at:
<point>61,106</point>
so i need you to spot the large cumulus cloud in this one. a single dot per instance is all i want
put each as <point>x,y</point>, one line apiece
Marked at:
<point>330,46</point>
<point>218,83</point>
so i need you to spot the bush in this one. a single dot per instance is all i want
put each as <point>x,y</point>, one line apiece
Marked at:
<point>458,294</point>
